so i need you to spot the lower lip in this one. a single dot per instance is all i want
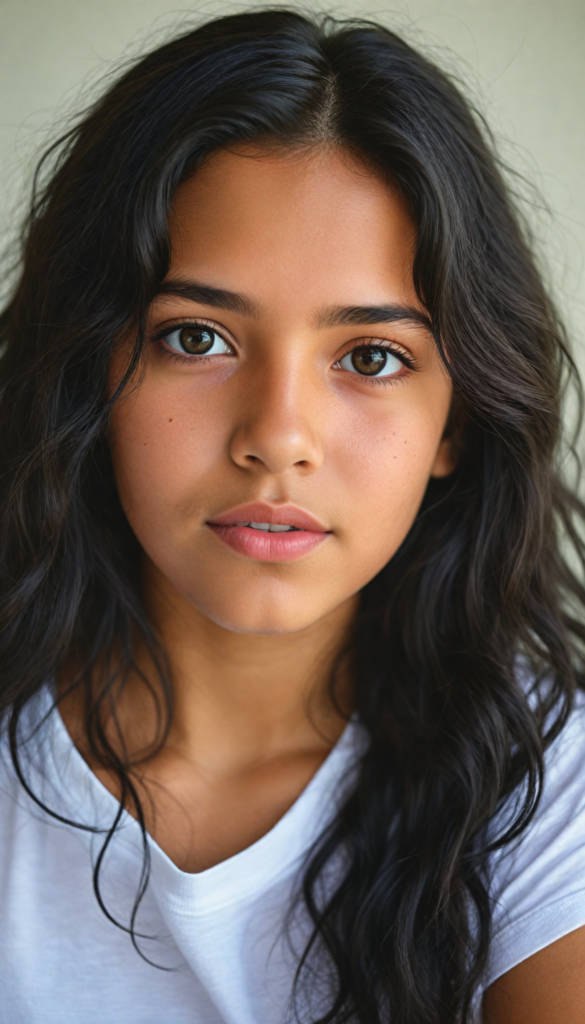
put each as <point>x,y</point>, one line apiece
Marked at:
<point>269,547</point>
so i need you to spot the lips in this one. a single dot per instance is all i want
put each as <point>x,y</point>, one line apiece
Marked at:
<point>249,531</point>
<point>258,512</point>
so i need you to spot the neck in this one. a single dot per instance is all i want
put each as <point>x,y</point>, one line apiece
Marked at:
<point>242,698</point>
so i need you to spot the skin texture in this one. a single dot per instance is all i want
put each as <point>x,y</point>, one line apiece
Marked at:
<point>276,421</point>
<point>275,418</point>
<point>547,988</point>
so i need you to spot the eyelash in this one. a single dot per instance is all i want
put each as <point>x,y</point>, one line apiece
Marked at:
<point>179,325</point>
<point>407,360</point>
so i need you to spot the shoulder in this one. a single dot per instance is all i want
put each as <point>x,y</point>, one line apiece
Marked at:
<point>546,988</point>
<point>538,883</point>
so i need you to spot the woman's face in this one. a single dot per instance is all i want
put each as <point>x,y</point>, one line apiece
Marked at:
<point>289,367</point>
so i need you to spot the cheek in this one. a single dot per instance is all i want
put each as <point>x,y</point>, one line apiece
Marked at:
<point>385,462</point>
<point>162,453</point>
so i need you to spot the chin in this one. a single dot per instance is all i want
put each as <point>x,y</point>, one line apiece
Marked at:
<point>268,617</point>
<point>271,624</point>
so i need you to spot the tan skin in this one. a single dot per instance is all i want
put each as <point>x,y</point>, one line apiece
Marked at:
<point>275,413</point>
<point>547,988</point>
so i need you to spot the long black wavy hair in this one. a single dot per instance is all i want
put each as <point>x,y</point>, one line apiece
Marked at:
<point>480,596</point>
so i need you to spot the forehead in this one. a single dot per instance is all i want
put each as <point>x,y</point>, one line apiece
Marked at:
<point>308,228</point>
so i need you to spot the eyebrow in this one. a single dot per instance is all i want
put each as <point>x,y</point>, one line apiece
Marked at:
<point>334,316</point>
<point>207,295</point>
<point>341,316</point>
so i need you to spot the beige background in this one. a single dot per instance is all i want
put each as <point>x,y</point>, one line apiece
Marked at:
<point>522,61</point>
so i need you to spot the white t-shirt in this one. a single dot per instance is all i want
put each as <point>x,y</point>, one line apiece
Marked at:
<point>221,930</point>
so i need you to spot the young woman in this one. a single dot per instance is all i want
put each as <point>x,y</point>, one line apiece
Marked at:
<point>291,643</point>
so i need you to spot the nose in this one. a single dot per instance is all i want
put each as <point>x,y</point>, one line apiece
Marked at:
<point>278,427</point>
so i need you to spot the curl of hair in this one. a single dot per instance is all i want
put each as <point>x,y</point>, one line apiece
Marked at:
<point>480,584</point>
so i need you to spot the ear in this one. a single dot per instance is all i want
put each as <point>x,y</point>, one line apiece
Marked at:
<point>451,444</point>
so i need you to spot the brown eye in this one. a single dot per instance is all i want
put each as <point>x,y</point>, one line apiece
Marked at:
<point>197,340</point>
<point>371,361</point>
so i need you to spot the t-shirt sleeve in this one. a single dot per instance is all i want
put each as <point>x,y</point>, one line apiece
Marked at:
<point>538,884</point>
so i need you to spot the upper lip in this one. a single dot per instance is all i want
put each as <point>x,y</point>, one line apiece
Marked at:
<point>258,512</point>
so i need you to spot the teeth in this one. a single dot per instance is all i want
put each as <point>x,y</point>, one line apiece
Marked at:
<point>268,527</point>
